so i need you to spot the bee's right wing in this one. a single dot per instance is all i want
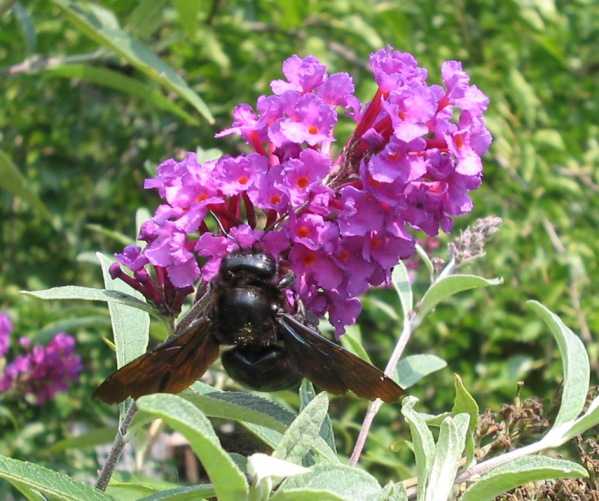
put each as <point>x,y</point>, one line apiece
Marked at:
<point>169,368</point>
<point>331,367</point>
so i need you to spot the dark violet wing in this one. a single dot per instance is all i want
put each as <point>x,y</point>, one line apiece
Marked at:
<point>169,368</point>
<point>331,367</point>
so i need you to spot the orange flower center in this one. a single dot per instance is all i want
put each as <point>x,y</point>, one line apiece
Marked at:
<point>302,182</point>
<point>303,232</point>
<point>309,259</point>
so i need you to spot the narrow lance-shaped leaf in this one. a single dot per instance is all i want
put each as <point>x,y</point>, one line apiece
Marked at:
<point>100,25</point>
<point>187,493</point>
<point>130,326</point>
<point>229,482</point>
<point>448,453</point>
<point>242,407</point>
<point>519,472</point>
<point>90,294</point>
<point>427,262</point>
<point>414,367</point>
<point>450,285</point>
<point>576,366</point>
<point>307,394</point>
<point>401,282</point>
<point>586,421</point>
<point>422,438</point>
<point>117,81</point>
<point>302,433</point>
<point>16,184</point>
<point>330,482</point>
<point>49,482</point>
<point>464,402</point>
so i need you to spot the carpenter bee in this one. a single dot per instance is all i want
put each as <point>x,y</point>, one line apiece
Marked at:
<point>265,345</point>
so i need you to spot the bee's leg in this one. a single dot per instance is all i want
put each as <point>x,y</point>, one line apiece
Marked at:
<point>195,311</point>
<point>286,280</point>
<point>301,313</point>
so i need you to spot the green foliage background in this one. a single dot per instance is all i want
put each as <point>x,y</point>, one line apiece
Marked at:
<point>85,147</point>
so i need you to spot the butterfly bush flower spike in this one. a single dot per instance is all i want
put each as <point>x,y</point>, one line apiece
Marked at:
<point>43,371</point>
<point>338,222</point>
<point>5,332</point>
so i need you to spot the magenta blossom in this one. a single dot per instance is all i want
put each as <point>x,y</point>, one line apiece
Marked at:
<point>5,332</point>
<point>339,223</point>
<point>42,371</point>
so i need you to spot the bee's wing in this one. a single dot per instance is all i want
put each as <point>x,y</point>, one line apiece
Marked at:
<point>169,368</point>
<point>331,367</point>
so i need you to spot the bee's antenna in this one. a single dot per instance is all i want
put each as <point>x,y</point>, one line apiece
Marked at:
<point>223,230</point>
<point>219,223</point>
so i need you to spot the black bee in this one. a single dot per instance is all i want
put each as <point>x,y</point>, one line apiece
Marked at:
<point>265,345</point>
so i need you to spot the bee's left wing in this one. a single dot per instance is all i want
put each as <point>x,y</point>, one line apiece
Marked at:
<point>169,368</point>
<point>331,367</point>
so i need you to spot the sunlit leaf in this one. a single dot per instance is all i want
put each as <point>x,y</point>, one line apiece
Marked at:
<point>519,472</point>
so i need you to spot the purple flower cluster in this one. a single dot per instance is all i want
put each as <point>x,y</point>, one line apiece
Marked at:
<point>339,223</point>
<point>5,332</point>
<point>43,371</point>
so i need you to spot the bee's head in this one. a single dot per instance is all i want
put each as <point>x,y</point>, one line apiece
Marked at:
<point>248,264</point>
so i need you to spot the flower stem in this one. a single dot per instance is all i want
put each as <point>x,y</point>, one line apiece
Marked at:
<point>116,450</point>
<point>411,322</point>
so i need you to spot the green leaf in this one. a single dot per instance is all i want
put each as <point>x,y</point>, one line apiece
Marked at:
<point>146,18</point>
<point>269,436</point>
<point>128,486</point>
<point>16,184</point>
<point>307,394</point>
<point>519,472</point>
<point>49,482</point>
<point>327,481</point>
<point>187,493</point>
<point>69,322</point>
<point>188,16</point>
<point>352,342</point>
<point>427,262</point>
<point>229,482</point>
<point>576,366</point>
<point>394,492</point>
<point>362,29</point>
<point>90,439</point>
<point>414,367</point>
<point>372,303</point>
<point>306,494</point>
<point>29,493</point>
<point>464,403</point>
<point>422,438</point>
<point>27,27</point>
<point>91,294</point>
<point>130,326</point>
<point>524,94</point>
<point>450,285</point>
<point>117,236</point>
<point>242,407</point>
<point>587,421</point>
<point>302,433</point>
<point>401,282</point>
<point>217,404</point>
<point>117,81</point>
<point>448,453</point>
<point>101,26</point>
